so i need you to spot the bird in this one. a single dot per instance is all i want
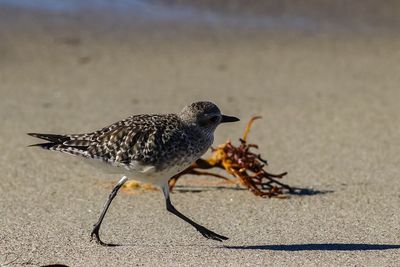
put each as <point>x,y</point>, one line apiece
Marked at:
<point>151,148</point>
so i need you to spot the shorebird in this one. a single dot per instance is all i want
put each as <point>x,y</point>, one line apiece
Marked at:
<point>148,148</point>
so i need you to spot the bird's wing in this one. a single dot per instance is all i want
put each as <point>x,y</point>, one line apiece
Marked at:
<point>119,142</point>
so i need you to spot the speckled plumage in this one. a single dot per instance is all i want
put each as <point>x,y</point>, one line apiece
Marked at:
<point>161,141</point>
<point>158,140</point>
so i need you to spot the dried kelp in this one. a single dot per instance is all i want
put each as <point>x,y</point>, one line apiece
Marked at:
<point>247,167</point>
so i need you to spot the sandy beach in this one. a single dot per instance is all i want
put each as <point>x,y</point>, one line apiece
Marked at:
<point>328,93</point>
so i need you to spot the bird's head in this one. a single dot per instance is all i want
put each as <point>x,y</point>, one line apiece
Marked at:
<point>204,115</point>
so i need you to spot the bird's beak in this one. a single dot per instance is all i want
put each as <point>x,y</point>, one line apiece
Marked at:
<point>228,119</point>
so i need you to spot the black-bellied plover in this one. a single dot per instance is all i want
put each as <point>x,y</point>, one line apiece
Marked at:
<point>148,148</point>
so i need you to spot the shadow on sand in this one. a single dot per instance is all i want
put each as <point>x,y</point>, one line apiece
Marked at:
<point>199,189</point>
<point>296,191</point>
<point>319,247</point>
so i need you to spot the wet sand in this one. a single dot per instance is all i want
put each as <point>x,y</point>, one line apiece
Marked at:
<point>329,101</point>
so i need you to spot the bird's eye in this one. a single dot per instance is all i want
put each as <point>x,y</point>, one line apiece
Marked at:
<point>208,121</point>
<point>214,119</point>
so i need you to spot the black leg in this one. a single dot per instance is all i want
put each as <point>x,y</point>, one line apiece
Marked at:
<point>204,231</point>
<point>95,232</point>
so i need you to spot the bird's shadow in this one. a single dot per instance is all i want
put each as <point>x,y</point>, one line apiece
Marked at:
<point>303,191</point>
<point>199,189</point>
<point>295,191</point>
<point>318,247</point>
<point>299,247</point>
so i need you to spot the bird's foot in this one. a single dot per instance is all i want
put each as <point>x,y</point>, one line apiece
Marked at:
<point>210,234</point>
<point>95,235</point>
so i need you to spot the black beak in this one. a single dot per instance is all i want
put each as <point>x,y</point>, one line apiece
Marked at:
<point>228,119</point>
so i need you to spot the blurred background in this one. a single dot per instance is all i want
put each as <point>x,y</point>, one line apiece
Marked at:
<point>323,74</point>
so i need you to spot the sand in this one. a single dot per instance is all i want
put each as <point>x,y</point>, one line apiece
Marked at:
<point>329,101</point>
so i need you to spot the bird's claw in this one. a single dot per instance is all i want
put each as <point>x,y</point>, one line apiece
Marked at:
<point>94,235</point>
<point>211,235</point>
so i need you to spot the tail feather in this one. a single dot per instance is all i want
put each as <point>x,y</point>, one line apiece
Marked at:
<point>63,143</point>
<point>54,138</point>
<point>45,145</point>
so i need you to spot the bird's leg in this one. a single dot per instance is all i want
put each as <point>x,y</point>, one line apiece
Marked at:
<point>96,227</point>
<point>204,231</point>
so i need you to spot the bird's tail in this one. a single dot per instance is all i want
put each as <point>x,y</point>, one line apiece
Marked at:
<point>53,140</point>
<point>70,144</point>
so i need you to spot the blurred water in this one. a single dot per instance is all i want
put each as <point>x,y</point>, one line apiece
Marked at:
<point>170,13</point>
<point>278,15</point>
<point>72,5</point>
